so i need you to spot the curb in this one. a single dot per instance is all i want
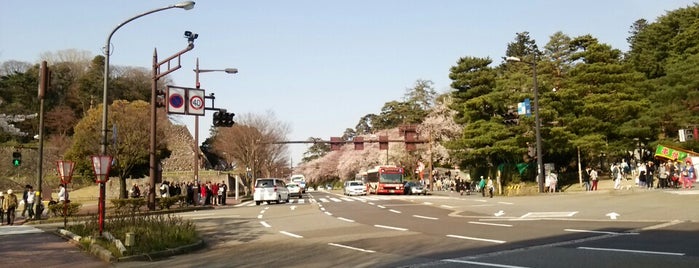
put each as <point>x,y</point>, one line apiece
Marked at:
<point>106,255</point>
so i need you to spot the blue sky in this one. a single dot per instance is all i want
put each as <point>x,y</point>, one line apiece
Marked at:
<point>318,65</point>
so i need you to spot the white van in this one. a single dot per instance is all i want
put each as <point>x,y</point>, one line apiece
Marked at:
<point>270,189</point>
<point>355,188</point>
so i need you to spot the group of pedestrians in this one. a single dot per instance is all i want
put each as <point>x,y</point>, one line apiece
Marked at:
<point>10,202</point>
<point>670,174</point>
<point>208,193</point>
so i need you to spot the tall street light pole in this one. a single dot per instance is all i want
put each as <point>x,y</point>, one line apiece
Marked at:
<point>196,117</point>
<point>187,5</point>
<point>539,157</point>
<point>184,5</point>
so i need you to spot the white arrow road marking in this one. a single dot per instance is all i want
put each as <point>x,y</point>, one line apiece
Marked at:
<point>612,215</point>
<point>499,213</point>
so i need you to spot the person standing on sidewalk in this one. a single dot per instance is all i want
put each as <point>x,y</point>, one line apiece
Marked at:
<point>29,204</point>
<point>224,191</point>
<point>490,187</point>
<point>481,186</point>
<point>2,209</point>
<point>594,178</point>
<point>586,178</point>
<point>24,199</point>
<point>10,206</point>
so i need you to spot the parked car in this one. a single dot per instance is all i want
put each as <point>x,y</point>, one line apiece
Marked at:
<point>415,188</point>
<point>270,189</point>
<point>294,189</point>
<point>355,188</point>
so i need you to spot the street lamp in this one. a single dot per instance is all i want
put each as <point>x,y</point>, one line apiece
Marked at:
<point>537,127</point>
<point>196,117</point>
<point>187,5</point>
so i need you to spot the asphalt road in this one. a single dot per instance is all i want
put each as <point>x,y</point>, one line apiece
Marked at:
<point>637,228</point>
<point>602,229</point>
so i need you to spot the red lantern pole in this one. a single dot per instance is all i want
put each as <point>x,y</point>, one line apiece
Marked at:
<point>65,171</point>
<point>101,165</point>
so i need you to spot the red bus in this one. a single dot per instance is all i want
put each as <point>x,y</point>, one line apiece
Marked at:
<point>384,180</point>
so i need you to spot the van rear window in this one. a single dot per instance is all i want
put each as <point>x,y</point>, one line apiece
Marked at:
<point>264,183</point>
<point>356,184</point>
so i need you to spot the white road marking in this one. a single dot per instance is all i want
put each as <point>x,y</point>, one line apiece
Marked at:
<point>290,234</point>
<point>394,211</point>
<point>259,216</point>
<point>352,248</point>
<point>425,217</point>
<point>635,251</point>
<point>292,207</point>
<point>662,225</point>
<point>371,203</point>
<point>328,213</point>
<point>244,204</point>
<point>445,206</point>
<point>612,215</point>
<point>549,214</point>
<point>484,263</point>
<point>380,206</point>
<point>390,227</point>
<point>323,200</point>
<point>477,239</point>
<point>322,208</point>
<point>335,199</point>
<point>302,201</point>
<point>506,203</point>
<point>265,224</point>
<point>215,217</point>
<point>499,213</point>
<point>490,224</point>
<point>597,232</point>
<point>343,219</point>
<point>427,203</point>
<point>18,229</point>
<point>347,199</point>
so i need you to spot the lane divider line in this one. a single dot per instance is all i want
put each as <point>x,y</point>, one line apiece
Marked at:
<point>265,224</point>
<point>477,239</point>
<point>352,248</point>
<point>395,211</point>
<point>390,227</point>
<point>597,232</point>
<point>484,263</point>
<point>634,251</point>
<point>425,217</point>
<point>490,224</point>
<point>290,234</point>
<point>344,219</point>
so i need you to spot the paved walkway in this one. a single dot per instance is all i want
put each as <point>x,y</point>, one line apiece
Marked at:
<point>37,245</point>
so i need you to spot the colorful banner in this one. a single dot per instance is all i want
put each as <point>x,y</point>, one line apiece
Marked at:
<point>670,153</point>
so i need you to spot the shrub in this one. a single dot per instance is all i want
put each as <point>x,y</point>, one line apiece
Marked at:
<point>72,209</point>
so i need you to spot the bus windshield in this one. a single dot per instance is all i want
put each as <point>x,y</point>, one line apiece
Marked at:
<point>392,178</point>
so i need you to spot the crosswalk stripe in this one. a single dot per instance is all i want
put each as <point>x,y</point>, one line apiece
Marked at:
<point>335,199</point>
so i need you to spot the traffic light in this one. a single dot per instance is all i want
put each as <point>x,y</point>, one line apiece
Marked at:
<point>511,118</point>
<point>223,119</point>
<point>16,159</point>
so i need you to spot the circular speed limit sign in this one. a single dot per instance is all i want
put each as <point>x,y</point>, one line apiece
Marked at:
<point>196,103</point>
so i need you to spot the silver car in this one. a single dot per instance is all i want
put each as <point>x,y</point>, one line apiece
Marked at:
<point>269,190</point>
